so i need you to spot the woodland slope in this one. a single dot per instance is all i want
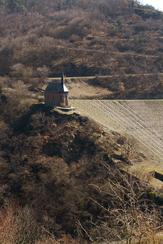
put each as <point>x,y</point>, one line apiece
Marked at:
<point>45,38</point>
<point>63,175</point>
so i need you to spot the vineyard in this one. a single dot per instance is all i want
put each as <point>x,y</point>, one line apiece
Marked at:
<point>143,120</point>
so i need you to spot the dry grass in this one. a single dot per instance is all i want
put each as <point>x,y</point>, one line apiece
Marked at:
<point>18,226</point>
<point>143,170</point>
<point>81,89</point>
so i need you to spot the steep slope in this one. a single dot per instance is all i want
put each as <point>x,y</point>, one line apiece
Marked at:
<point>85,38</point>
<point>69,167</point>
<point>140,119</point>
<point>80,37</point>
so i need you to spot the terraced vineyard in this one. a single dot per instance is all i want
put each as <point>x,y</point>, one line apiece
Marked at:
<point>141,119</point>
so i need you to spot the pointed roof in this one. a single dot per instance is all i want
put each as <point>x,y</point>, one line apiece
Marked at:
<point>57,85</point>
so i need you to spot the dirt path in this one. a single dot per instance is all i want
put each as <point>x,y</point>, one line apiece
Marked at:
<point>141,119</point>
<point>109,53</point>
<point>105,76</point>
<point>80,89</point>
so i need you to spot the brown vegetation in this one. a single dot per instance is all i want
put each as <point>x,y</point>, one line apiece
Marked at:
<point>62,177</point>
<point>121,87</point>
<point>81,38</point>
<point>63,170</point>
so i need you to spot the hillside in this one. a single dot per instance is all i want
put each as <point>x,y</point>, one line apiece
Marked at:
<point>82,38</point>
<point>141,119</point>
<point>74,171</point>
<point>93,175</point>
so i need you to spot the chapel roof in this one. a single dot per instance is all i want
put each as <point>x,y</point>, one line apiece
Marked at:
<point>57,85</point>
